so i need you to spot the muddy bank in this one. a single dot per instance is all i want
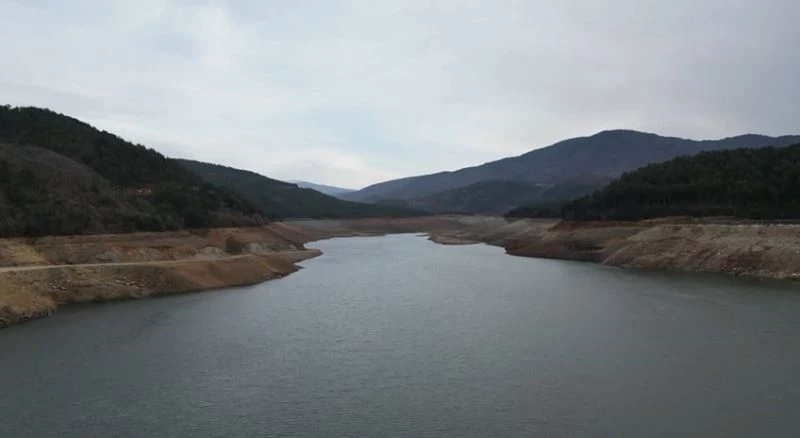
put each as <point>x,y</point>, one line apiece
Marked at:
<point>34,293</point>
<point>310,230</point>
<point>39,275</point>
<point>757,250</point>
<point>142,247</point>
<point>451,240</point>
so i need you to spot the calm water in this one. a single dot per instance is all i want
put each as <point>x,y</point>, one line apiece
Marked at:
<point>399,337</point>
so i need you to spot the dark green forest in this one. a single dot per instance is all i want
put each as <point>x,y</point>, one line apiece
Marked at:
<point>287,200</point>
<point>745,183</point>
<point>495,197</point>
<point>551,210</point>
<point>59,175</point>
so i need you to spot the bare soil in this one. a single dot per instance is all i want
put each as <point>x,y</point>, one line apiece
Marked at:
<point>727,246</point>
<point>39,275</point>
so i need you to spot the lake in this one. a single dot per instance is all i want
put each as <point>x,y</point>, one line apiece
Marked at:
<point>400,337</point>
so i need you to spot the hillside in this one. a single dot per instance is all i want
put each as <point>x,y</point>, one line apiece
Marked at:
<point>280,199</point>
<point>322,188</point>
<point>497,197</point>
<point>745,183</point>
<point>59,175</point>
<point>601,156</point>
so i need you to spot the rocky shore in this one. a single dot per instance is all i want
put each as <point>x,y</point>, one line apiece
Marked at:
<point>742,248</point>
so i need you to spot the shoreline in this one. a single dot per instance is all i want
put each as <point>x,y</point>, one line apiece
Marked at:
<point>737,248</point>
<point>37,276</point>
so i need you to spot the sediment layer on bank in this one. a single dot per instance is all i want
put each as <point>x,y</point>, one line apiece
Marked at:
<point>311,230</point>
<point>37,292</point>
<point>762,250</point>
<point>39,275</point>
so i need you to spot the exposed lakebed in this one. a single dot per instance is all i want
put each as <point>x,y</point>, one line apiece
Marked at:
<point>398,336</point>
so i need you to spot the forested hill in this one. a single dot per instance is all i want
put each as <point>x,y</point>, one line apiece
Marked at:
<point>748,183</point>
<point>606,154</point>
<point>59,175</point>
<point>497,197</point>
<point>322,188</point>
<point>287,200</point>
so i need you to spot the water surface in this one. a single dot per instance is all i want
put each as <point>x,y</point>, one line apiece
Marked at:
<point>397,336</point>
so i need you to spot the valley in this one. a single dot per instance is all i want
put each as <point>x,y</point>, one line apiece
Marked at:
<point>91,217</point>
<point>451,219</point>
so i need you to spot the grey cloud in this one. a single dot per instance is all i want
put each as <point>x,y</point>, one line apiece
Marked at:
<point>454,82</point>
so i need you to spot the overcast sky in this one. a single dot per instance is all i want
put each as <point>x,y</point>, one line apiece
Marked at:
<point>354,92</point>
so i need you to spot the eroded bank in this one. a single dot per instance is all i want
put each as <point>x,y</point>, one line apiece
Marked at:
<point>750,249</point>
<point>39,275</point>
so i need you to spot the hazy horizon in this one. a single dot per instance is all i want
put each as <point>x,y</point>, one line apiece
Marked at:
<point>350,93</point>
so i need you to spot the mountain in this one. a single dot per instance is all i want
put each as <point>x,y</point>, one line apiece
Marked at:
<point>604,155</point>
<point>322,188</point>
<point>747,183</point>
<point>59,175</point>
<point>487,197</point>
<point>496,197</point>
<point>280,199</point>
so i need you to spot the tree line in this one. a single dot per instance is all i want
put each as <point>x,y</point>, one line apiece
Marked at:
<point>761,183</point>
<point>129,187</point>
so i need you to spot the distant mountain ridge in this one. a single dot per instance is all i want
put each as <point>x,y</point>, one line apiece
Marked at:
<point>600,157</point>
<point>322,188</point>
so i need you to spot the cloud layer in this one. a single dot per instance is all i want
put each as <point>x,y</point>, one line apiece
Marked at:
<point>353,92</point>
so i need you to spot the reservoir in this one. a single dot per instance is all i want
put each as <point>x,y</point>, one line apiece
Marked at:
<point>399,337</point>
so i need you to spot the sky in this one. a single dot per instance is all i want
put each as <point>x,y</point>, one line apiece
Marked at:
<point>354,92</point>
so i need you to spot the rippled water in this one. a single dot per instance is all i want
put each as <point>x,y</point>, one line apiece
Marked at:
<point>397,336</point>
